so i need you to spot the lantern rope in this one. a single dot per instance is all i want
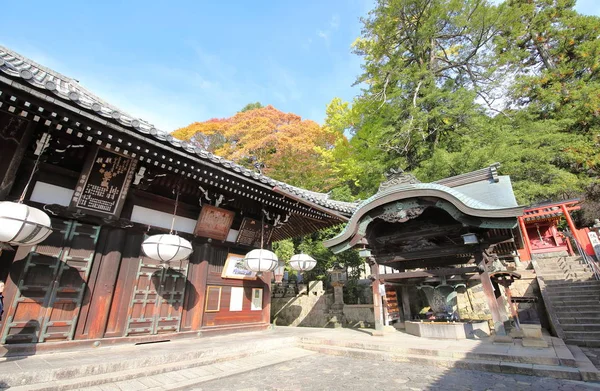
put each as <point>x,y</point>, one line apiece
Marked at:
<point>174,213</point>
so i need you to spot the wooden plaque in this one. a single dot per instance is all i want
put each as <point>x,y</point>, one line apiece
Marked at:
<point>214,222</point>
<point>103,184</point>
<point>234,268</point>
<point>249,234</point>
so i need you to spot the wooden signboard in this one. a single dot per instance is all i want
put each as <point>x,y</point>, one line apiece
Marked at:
<point>250,233</point>
<point>103,183</point>
<point>234,268</point>
<point>214,222</point>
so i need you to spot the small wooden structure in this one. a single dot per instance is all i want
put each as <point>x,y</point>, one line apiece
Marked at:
<point>446,231</point>
<point>539,230</point>
<point>109,180</point>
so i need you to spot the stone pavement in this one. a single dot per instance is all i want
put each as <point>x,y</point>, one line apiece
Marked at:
<point>180,364</point>
<point>321,372</point>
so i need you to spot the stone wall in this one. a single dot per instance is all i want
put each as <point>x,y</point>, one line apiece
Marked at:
<point>301,310</point>
<point>359,315</point>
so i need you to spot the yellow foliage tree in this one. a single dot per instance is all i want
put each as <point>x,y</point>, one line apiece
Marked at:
<point>281,145</point>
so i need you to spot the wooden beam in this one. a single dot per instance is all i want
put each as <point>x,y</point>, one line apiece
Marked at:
<point>429,273</point>
<point>426,254</point>
<point>403,236</point>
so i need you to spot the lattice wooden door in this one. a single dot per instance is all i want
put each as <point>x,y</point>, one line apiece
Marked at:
<point>51,285</point>
<point>156,304</point>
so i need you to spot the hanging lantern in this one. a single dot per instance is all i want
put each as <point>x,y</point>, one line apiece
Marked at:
<point>166,248</point>
<point>302,262</point>
<point>261,261</point>
<point>23,225</point>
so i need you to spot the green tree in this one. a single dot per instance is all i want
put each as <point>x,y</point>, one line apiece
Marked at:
<point>251,106</point>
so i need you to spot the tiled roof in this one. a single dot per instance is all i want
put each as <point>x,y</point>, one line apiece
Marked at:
<point>40,77</point>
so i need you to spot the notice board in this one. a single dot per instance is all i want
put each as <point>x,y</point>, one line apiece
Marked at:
<point>250,233</point>
<point>103,184</point>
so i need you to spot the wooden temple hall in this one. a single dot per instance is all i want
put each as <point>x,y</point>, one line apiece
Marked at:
<point>438,237</point>
<point>108,181</point>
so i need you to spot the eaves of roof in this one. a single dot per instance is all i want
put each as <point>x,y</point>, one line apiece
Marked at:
<point>67,89</point>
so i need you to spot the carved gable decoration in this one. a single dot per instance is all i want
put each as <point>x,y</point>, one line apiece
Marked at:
<point>397,178</point>
<point>398,213</point>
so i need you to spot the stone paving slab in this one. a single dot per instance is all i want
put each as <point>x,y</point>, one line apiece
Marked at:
<point>319,372</point>
<point>188,355</point>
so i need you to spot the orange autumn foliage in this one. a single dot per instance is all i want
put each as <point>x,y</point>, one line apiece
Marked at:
<point>285,147</point>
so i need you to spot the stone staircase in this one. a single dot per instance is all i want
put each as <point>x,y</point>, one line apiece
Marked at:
<point>572,298</point>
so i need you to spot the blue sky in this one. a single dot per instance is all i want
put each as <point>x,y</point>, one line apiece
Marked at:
<point>176,62</point>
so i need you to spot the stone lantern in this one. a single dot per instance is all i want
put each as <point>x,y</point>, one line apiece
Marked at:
<point>338,280</point>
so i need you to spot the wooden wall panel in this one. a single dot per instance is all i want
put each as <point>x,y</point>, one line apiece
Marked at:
<point>225,317</point>
<point>117,318</point>
<point>102,284</point>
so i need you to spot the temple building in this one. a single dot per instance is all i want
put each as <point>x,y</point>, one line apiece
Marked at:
<point>109,181</point>
<point>438,240</point>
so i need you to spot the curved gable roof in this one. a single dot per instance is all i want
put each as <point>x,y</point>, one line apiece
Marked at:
<point>464,203</point>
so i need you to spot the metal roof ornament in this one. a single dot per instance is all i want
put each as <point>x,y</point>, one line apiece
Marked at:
<point>397,177</point>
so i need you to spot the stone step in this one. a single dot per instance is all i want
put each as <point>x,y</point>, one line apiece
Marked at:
<point>424,352</point>
<point>575,302</point>
<point>580,326</point>
<point>132,362</point>
<point>583,335</point>
<point>567,281</point>
<point>592,285</point>
<point>577,309</point>
<point>579,319</point>
<point>573,296</point>
<point>583,342</point>
<point>553,371</point>
<point>572,293</point>
<point>176,376</point>
<point>578,314</point>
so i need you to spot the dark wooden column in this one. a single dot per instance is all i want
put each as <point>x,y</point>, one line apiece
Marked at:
<point>488,290</point>
<point>377,308</point>
<point>196,288</point>
<point>406,304</point>
<point>15,135</point>
<point>266,277</point>
<point>117,321</point>
<point>102,284</point>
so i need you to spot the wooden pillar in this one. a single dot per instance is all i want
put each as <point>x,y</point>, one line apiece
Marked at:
<point>570,223</point>
<point>266,277</point>
<point>488,290</point>
<point>376,284</point>
<point>526,244</point>
<point>406,304</point>
<point>102,284</point>
<point>196,289</point>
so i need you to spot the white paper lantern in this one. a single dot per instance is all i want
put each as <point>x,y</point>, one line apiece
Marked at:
<point>261,261</point>
<point>22,225</point>
<point>302,262</point>
<point>166,248</point>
